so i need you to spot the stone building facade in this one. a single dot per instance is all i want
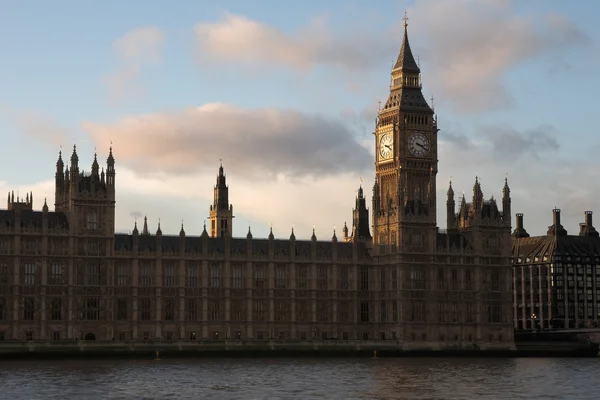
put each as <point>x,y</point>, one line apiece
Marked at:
<point>66,274</point>
<point>556,277</point>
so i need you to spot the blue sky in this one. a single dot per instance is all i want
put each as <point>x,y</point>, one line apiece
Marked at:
<point>514,83</point>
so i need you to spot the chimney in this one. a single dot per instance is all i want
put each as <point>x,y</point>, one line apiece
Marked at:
<point>519,231</point>
<point>556,228</point>
<point>587,228</point>
<point>556,216</point>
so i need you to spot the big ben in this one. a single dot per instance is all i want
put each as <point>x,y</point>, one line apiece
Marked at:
<point>404,200</point>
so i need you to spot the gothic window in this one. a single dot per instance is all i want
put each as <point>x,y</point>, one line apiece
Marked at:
<point>56,309</point>
<point>92,220</point>
<point>30,273</point>
<point>383,312</point>
<point>382,278</point>
<point>364,278</point>
<point>3,309</point>
<point>281,310</point>
<point>302,307</point>
<point>215,276</point>
<point>91,309</point>
<point>56,274</point>
<point>192,309</point>
<point>281,277</point>
<point>394,311</point>
<point>214,310</point>
<point>322,311</point>
<point>417,278</point>
<point>394,278</point>
<point>4,247</point>
<point>122,277</point>
<point>302,277</point>
<point>146,274</point>
<point>259,277</point>
<point>92,248</point>
<point>322,277</point>
<point>468,280</point>
<point>28,308</point>
<point>192,275</point>
<point>121,309</point>
<point>92,274</point>
<point>238,277</point>
<point>169,309</point>
<point>441,280</point>
<point>145,309</point>
<point>441,312</point>
<point>454,312</point>
<point>344,311</point>
<point>495,280</point>
<point>417,311</point>
<point>454,277</point>
<point>494,313</point>
<point>364,311</point>
<point>237,310</point>
<point>258,308</point>
<point>169,275</point>
<point>393,244</point>
<point>470,312</point>
<point>344,284</point>
<point>4,274</point>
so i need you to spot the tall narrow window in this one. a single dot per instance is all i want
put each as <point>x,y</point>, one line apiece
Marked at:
<point>302,277</point>
<point>30,273</point>
<point>192,309</point>
<point>281,277</point>
<point>145,309</point>
<point>28,308</point>
<point>344,284</point>
<point>122,277</point>
<point>192,275</point>
<point>322,277</point>
<point>92,220</point>
<point>169,309</point>
<point>169,275</point>
<point>56,309</point>
<point>215,276</point>
<point>121,309</point>
<point>259,277</point>
<point>92,274</point>
<point>238,277</point>
<point>146,274</point>
<point>56,274</point>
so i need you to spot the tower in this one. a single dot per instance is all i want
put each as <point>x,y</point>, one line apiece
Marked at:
<point>87,198</point>
<point>221,212</point>
<point>404,199</point>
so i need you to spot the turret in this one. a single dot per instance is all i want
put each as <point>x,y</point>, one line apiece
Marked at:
<point>74,166</point>
<point>506,212</point>
<point>450,209</point>
<point>221,212</point>
<point>360,218</point>
<point>110,174</point>
<point>145,231</point>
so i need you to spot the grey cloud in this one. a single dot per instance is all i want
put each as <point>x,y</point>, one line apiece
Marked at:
<point>509,144</point>
<point>257,144</point>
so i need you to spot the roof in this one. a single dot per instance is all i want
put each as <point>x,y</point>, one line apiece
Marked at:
<point>239,246</point>
<point>34,219</point>
<point>551,246</point>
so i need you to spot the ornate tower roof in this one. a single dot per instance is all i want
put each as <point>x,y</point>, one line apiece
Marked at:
<point>405,88</point>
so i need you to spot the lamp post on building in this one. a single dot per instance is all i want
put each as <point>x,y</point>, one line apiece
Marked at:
<point>533,318</point>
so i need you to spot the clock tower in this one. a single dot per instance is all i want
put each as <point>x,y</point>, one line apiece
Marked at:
<point>404,199</point>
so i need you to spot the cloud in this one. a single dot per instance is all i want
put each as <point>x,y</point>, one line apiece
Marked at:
<point>467,58</point>
<point>254,143</point>
<point>39,125</point>
<point>464,61</point>
<point>236,38</point>
<point>135,49</point>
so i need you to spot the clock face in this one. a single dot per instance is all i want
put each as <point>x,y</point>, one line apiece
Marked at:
<point>418,144</point>
<point>385,147</point>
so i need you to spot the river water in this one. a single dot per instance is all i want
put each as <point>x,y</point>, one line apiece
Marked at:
<point>350,378</point>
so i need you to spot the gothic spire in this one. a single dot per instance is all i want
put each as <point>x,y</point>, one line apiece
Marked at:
<point>145,229</point>
<point>406,61</point>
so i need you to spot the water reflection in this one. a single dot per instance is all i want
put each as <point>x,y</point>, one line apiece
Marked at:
<point>400,378</point>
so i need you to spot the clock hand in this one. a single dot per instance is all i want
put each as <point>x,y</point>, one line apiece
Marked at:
<point>389,147</point>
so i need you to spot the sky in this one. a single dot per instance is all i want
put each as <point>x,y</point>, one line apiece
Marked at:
<point>286,94</point>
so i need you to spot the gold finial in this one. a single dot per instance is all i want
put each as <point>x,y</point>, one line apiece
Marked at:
<point>405,19</point>
<point>361,180</point>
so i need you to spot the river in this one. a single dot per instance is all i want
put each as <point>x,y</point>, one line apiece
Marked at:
<point>303,378</point>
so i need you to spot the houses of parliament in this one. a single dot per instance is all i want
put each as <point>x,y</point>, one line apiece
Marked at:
<point>392,275</point>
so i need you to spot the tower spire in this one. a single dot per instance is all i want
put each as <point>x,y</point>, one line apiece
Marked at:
<point>406,61</point>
